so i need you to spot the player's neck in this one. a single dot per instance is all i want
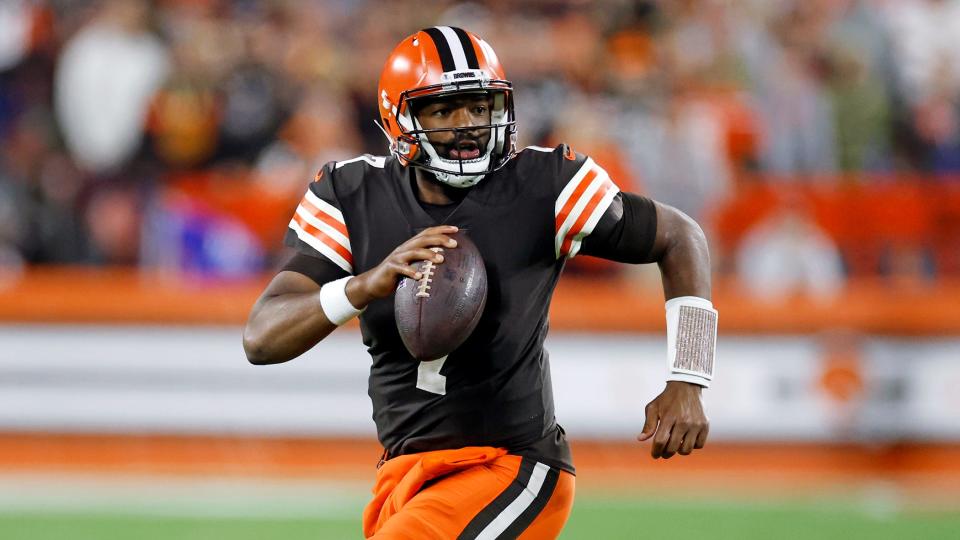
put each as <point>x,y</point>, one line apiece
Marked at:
<point>431,191</point>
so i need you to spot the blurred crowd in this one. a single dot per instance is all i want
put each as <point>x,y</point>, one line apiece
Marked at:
<point>178,134</point>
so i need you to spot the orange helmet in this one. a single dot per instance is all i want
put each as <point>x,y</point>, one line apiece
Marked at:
<point>440,61</point>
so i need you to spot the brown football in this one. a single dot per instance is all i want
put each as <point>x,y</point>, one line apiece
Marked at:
<point>437,313</point>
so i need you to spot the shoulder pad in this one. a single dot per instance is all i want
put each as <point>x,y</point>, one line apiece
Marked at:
<point>348,175</point>
<point>368,159</point>
<point>581,192</point>
<point>554,166</point>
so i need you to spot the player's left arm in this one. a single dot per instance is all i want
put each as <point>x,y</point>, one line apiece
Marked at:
<point>639,230</point>
<point>675,419</point>
<point>593,217</point>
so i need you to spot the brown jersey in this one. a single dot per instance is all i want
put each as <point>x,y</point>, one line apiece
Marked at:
<point>526,219</point>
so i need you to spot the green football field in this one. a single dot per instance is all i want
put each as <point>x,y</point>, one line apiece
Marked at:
<point>595,516</point>
<point>592,519</point>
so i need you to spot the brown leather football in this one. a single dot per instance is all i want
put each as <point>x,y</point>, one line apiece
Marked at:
<point>437,313</point>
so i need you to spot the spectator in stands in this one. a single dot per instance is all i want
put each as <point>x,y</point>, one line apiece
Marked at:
<point>937,122</point>
<point>11,234</point>
<point>113,221</point>
<point>925,39</point>
<point>855,59</point>
<point>796,112</point>
<point>16,18</point>
<point>689,93</point>
<point>107,74</point>
<point>679,151</point>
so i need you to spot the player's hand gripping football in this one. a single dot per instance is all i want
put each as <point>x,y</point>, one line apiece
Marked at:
<point>381,280</point>
<point>676,421</point>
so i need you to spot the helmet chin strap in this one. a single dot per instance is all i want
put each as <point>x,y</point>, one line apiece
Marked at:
<point>450,169</point>
<point>458,180</point>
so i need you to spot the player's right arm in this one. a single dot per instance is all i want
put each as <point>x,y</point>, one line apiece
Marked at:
<point>288,319</point>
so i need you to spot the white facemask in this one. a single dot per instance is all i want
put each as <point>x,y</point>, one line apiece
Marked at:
<point>467,173</point>
<point>473,170</point>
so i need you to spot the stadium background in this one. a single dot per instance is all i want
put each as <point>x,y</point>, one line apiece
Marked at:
<point>152,153</point>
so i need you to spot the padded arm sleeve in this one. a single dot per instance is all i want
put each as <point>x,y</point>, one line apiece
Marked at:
<point>627,231</point>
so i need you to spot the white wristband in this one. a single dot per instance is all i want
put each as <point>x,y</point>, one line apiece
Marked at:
<point>334,302</point>
<point>691,339</point>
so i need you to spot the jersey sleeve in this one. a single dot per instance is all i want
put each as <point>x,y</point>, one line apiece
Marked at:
<point>317,227</point>
<point>585,193</point>
<point>320,270</point>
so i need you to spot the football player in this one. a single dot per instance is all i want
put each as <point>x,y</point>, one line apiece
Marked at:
<point>471,445</point>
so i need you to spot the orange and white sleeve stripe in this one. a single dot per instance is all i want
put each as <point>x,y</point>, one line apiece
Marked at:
<point>321,226</point>
<point>581,204</point>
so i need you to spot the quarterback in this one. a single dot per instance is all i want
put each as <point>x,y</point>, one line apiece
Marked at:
<point>471,445</point>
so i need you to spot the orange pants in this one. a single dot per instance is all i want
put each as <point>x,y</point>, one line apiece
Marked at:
<point>467,493</point>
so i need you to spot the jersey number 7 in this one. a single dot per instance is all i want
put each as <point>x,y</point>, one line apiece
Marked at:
<point>429,377</point>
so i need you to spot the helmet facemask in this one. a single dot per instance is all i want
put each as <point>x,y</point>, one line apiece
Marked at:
<point>460,173</point>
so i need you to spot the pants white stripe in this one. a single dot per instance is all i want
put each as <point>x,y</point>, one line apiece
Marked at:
<point>515,508</point>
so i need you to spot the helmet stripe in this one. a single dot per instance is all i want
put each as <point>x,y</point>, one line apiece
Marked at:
<point>456,48</point>
<point>443,48</point>
<point>467,45</point>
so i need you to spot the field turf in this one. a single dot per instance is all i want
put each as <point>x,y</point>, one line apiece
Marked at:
<point>595,517</point>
